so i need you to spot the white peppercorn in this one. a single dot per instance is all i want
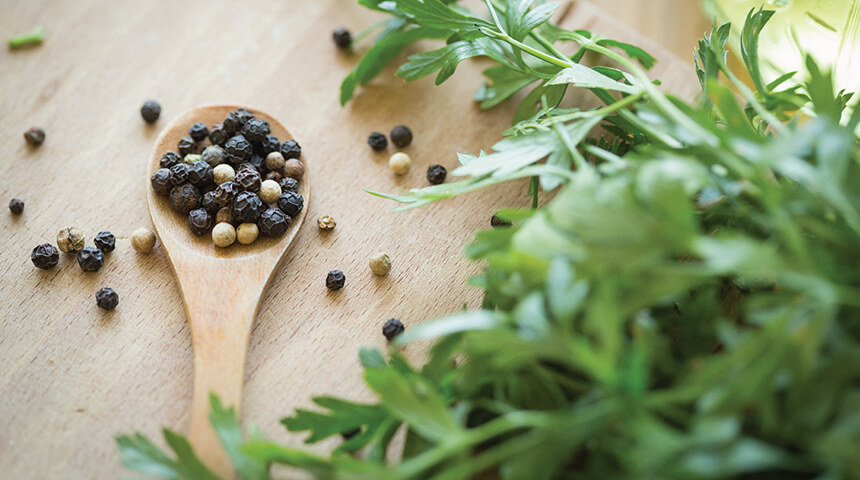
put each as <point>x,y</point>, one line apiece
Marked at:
<point>399,163</point>
<point>380,264</point>
<point>223,235</point>
<point>247,233</point>
<point>142,240</point>
<point>70,239</point>
<point>270,191</point>
<point>275,161</point>
<point>223,173</point>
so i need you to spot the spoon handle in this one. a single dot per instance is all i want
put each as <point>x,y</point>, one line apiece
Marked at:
<point>221,312</point>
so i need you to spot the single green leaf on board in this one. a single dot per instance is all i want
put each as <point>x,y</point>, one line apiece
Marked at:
<point>446,59</point>
<point>585,77</point>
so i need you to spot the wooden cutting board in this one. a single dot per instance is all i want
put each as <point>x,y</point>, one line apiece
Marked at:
<point>73,376</point>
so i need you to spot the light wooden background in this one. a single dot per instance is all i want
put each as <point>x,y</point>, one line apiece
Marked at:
<point>72,376</point>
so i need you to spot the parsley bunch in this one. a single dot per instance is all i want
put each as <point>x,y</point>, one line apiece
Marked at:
<point>686,306</point>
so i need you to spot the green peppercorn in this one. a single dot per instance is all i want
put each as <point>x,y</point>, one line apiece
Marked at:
<point>91,259</point>
<point>392,328</point>
<point>107,299</point>
<point>105,241</point>
<point>342,38</point>
<point>35,136</point>
<point>436,174</point>
<point>198,131</point>
<point>213,155</point>
<point>191,158</point>
<point>45,256</point>
<point>150,111</point>
<point>377,141</point>
<point>401,136</point>
<point>16,206</point>
<point>335,280</point>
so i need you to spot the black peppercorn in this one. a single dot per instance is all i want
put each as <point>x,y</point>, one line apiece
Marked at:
<point>45,256</point>
<point>107,299</point>
<point>273,222</point>
<point>105,241</point>
<point>392,328</point>
<point>16,206</point>
<point>247,207</point>
<point>498,222</point>
<point>238,149</point>
<point>35,136</point>
<point>342,38</point>
<point>150,111</point>
<point>184,198</point>
<point>200,174</point>
<point>199,221</point>
<point>436,174</point>
<point>289,184</point>
<point>291,149</point>
<point>249,179</point>
<point>269,144</point>
<point>226,193</point>
<point>160,181</point>
<point>335,280</point>
<point>255,130</point>
<point>209,202</point>
<point>170,159</point>
<point>198,131</point>
<point>186,145</point>
<point>258,162</point>
<point>178,174</point>
<point>91,259</point>
<point>291,203</point>
<point>377,141</point>
<point>236,119</point>
<point>218,134</point>
<point>401,136</point>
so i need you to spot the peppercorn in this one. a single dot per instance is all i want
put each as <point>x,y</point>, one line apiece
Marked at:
<point>255,130</point>
<point>209,202</point>
<point>326,222</point>
<point>107,299</point>
<point>288,185</point>
<point>377,141</point>
<point>105,241</point>
<point>178,174</point>
<point>335,280</point>
<point>436,174</point>
<point>399,163</point>
<point>223,173</point>
<point>91,259</point>
<point>498,222</point>
<point>213,155</point>
<point>186,145</point>
<point>70,239</point>
<point>270,191</point>
<point>16,205</point>
<point>294,168</point>
<point>35,136</point>
<point>198,131</point>
<point>238,149</point>
<point>275,161</point>
<point>380,264</point>
<point>273,222</point>
<point>291,149</point>
<point>191,158</point>
<point>223,235</point>
<point>247,233</point>
<point>291,203</point>
<point>247,207</point>
<point>142,240</point>
<point>184,198</point>
<point>401,136</point>
<point>200,174</point>
<point>274,176</point>
<point>199,221</point>
<point>270,144</point>
<point>249,179</point>
<point>392,328</point>
<point>169,159</point>
<point>45,256</point>
<point>226,192</point>
<point>218,134</point>
<point>224,215</point>
<point>236,119</point>
<point>342,38</point>
<point>150,111</point>
<point>258,163</point>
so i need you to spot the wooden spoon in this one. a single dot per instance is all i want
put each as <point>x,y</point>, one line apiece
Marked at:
<point>221,288</point>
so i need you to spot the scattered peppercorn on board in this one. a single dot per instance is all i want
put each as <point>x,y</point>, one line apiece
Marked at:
<point>73,375</point>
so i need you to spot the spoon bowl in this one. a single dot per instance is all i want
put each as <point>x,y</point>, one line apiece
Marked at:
<point>221,287</point>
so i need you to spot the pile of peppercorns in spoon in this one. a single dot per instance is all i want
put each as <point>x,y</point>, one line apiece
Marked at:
<point>233,179</point>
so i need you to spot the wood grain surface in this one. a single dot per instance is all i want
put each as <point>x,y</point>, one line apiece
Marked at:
<point>73,376</point>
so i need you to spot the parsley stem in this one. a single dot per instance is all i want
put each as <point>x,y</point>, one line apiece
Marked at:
<point>526,48</point>
<point>33,37</point>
